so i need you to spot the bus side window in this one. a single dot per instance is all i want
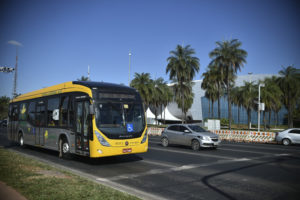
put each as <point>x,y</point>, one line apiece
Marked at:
<point>31,113</point>
<point>53,104</point>
<point>15,113</point>
<point>10,112</point>
<point>71,112</point>
<point>63,119</point>
<point>23,112</point>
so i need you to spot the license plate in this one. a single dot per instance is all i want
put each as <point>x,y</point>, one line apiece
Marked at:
<point>127,150</point>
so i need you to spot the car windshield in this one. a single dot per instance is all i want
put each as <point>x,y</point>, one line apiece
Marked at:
<point>197,128</point>
<point>120,119</point>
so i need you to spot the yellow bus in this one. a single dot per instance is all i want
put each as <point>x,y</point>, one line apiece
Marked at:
<point>87,118</point>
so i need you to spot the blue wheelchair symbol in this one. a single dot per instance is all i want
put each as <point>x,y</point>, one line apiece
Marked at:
<point>129,128</point>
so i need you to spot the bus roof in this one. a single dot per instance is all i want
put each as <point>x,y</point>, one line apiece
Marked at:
<point>73,86</point>
<point>103,86</point>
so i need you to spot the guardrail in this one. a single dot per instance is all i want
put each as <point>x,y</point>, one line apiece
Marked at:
<point>233,135</point>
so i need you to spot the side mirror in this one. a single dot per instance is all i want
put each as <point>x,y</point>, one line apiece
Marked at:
<point>186,131</point>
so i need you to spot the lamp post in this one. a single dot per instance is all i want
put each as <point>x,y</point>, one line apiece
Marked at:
<point>259,106</point>
<point>129,68</point>
<point>250,74</point>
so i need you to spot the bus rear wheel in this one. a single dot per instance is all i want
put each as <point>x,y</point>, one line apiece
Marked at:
<point>21,140</point>
<point>64,148</point>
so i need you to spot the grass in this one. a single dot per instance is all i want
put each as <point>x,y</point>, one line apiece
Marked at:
<point>36,180</point>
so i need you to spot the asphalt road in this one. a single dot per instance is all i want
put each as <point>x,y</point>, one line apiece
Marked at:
<point>233,171</point>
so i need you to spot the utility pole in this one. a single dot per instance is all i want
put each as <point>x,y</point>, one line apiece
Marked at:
<point>129,68</point>
<point>16,75</point>
<point>259,106</point>
<point>89,73</point>
<point>17,44</point>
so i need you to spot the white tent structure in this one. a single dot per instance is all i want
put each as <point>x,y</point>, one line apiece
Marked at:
<point>150,117</point>
<point>169,117</point>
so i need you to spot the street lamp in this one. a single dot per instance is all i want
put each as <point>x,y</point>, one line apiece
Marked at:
<point>129,68</point>
<point>259,105</point>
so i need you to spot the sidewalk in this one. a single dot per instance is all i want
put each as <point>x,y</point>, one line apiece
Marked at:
<point>7,192</point>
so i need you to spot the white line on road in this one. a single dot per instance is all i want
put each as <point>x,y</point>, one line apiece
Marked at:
<point>198,153</point>
<point>174,169</point>
<point>163,164</point>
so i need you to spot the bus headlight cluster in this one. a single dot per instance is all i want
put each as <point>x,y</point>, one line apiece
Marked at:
<point>101,139</point>
<point>144,138</point>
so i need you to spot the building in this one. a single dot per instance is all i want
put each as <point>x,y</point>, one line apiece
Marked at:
<point>199,110</point>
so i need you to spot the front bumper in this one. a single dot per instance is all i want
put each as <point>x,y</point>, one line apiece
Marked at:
<point>209,144</point>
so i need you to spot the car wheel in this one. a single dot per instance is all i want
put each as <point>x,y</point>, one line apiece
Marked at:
<point>164,142</point>
<point>286,142</point>
<point>195,145</point>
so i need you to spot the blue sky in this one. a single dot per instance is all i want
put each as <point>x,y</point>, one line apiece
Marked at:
<point>61,38</point>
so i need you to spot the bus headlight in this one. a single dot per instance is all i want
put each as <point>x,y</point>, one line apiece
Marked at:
<point>101,139</point>
<point>144,138</point>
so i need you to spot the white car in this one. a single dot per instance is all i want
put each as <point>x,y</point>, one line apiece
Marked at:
<point>289,136</point>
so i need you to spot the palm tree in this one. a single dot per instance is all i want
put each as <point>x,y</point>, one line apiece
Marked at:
<point>210,87</point>
<point>157,95</point>
<point>236,95</point>
<point>271,96</point>
<point>229,57</point>
<point>167,97</point>
<point>188,97</point>
<point>289,82</point>
<point>213,81</point>
<point>248,95</point>
<point>182,67</point>
<point>83,78</point>
<point>143,83</point>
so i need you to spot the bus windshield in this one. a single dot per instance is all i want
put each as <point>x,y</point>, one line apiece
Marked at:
<point>119,119</point>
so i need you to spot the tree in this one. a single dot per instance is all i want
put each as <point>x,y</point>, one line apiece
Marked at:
<point>289,82</point>
<point>143,83</point>
<point>4,101</point>
<point>236,96</point>
<point>83,78</point>
<point>229,57</point>
<point>210,88</point>
<point>248,95</point>
<point>188,97</point>
<point>213,83</point>
<point>182,67</point>
<point>157,95</point>
<point>271,96</point>
<point>167,97</point>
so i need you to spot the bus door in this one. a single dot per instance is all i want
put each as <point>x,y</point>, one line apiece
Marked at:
<point>13,123</point>
<point>83,124</point>
<point>40,123</point>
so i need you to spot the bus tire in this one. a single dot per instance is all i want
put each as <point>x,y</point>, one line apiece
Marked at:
<point>21,140</point>
<point>64,148</point>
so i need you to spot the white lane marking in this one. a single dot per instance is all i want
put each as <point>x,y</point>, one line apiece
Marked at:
<point>283,154</point>
<point>270,147</point>
<point>154,162</point>
<point>198,153</point>
<point>238,150</point>
<point>174,169</point>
